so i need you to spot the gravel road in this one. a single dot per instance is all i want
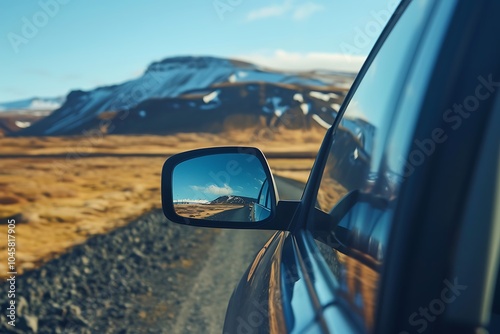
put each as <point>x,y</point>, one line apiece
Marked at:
<point>205,307</point>
<point>151,276</point>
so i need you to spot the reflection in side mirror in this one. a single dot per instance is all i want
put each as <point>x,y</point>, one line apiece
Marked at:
<point>224,187</point>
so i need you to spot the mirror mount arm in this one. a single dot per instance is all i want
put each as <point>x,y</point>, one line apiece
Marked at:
<point>285,210</point>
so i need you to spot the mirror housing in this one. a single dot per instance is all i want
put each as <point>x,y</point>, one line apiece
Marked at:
<point>223,187</point>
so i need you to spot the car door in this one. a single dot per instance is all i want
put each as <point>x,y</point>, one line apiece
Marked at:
<point>347,235</point>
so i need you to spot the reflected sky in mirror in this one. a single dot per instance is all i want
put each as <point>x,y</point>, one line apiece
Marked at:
<point>204,179</point>
<point>222,187</point>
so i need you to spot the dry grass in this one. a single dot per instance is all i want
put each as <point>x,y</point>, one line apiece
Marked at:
<point>286,141</point>
<point>55,211</point>
<point>60,201</point>
<point>202,211</point>
<point>295,169</point>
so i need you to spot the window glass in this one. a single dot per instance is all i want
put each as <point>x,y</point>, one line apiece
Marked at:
<point>356,159</point>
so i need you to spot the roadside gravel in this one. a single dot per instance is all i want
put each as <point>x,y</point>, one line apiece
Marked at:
<point>151,276</point>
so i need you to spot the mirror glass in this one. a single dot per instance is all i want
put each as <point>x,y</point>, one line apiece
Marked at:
<point>230,187</point>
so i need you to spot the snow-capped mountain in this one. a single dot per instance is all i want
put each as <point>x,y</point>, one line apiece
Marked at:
<point>170,78</point>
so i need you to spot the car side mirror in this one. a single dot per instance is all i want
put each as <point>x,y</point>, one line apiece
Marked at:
<point>225,187</point>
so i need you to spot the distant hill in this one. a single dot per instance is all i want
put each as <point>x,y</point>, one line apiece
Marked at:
<point>21,114</point>
<point>40,106</point>
<point>233,200</point>
<point>195,93</point>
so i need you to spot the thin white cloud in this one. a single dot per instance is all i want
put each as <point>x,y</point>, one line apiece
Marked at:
<point>296,61</point>
<point>304,11</point>
<point>287,7</point>
<point>269,11</point>
<point>214,190</point>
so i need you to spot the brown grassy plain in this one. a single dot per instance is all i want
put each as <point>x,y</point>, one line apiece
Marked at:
<point>201,211</point>
<point>61,190</point>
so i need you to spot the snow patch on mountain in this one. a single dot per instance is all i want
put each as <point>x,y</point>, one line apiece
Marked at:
<point>275,105</point>
<point>320,96</point>
<point>33,104</point>
<point>211,97</point>
<point>335,106</point>
<point>22,125</point>
<point>305,108</point>
<point>298,97</point>
<point>321,122</point>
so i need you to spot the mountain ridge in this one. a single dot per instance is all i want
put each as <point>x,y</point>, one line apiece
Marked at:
<point>169,78</point>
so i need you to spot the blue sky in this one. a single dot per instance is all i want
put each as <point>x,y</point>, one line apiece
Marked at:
<point>50,47</point>
<point>207,178</point>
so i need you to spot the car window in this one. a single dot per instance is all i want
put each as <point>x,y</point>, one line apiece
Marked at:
<point>366,163</point>
<point>356,155</point>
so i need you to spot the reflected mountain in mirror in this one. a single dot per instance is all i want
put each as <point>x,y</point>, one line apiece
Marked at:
<point>224,187</point>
